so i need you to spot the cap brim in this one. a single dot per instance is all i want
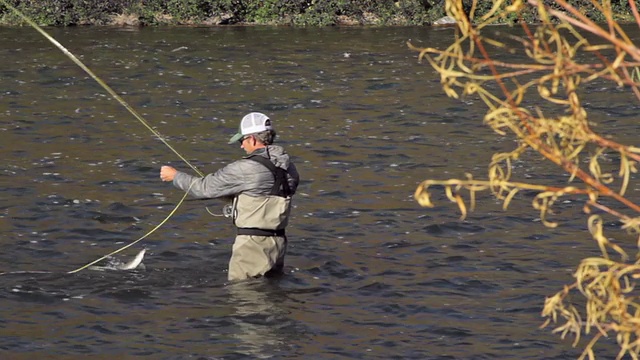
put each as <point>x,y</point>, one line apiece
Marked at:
<point>235,138</point>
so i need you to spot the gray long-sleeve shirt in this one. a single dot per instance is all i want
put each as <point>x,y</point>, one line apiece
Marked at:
<point>241,176</point>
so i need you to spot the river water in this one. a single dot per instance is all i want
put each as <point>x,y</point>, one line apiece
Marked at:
<point>369,273</point>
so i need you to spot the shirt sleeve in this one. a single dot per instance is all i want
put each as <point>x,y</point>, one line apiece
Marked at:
<point>226,182</point>
<point>293,177</point>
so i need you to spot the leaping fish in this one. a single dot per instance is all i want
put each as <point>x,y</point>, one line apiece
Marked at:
<point>136,263</point>
<point>131,265</point>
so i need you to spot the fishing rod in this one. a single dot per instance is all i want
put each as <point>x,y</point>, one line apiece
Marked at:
<point>102,83</point>
<point>126,106</point>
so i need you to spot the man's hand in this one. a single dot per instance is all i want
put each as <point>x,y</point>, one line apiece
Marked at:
<point>167,173</point>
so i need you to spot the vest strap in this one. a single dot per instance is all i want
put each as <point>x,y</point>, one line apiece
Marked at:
<point>280,183</point>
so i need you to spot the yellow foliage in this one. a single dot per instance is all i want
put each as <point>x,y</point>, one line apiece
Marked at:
<point>560,60</point>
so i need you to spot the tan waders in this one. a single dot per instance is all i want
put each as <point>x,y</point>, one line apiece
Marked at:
<point>260,222</point>
<point>254,256</point>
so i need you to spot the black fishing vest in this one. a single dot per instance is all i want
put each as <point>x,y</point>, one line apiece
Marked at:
<point>270,212</point>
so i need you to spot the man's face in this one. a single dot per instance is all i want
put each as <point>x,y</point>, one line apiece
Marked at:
<point>248,143</point>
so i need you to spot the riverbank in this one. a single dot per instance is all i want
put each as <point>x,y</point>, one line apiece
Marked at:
<point>310,13</point>
<point>224,12</point>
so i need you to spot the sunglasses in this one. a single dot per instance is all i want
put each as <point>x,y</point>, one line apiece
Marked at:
<point>243,139</point>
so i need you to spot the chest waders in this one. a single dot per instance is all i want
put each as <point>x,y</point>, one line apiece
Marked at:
<point>264,215</point>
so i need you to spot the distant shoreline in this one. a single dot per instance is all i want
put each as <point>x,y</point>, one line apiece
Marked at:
<point>310,13</point>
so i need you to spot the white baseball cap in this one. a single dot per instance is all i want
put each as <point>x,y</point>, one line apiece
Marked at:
<point>252,123</point>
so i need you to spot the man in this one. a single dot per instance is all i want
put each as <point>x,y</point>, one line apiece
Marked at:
<point>261,185</point>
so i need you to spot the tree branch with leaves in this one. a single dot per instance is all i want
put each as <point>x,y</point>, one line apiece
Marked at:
<point>561,56</point>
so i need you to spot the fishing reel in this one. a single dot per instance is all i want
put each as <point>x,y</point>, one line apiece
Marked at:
<point>227,210</point>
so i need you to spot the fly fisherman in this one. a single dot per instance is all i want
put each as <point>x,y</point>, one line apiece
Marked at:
<point>261,185</point>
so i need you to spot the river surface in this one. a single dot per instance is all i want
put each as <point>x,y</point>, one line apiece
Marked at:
<point>369,273</point>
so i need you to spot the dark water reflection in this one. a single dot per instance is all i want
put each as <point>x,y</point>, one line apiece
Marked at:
<point>370,274</point>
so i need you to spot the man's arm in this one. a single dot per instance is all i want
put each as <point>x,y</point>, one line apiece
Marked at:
<point>293,177</point>
<point>226,182</point>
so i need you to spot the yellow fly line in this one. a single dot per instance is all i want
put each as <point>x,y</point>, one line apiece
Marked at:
<point>128,107</point>
<point>133,243</point>
<point>99,81</point>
